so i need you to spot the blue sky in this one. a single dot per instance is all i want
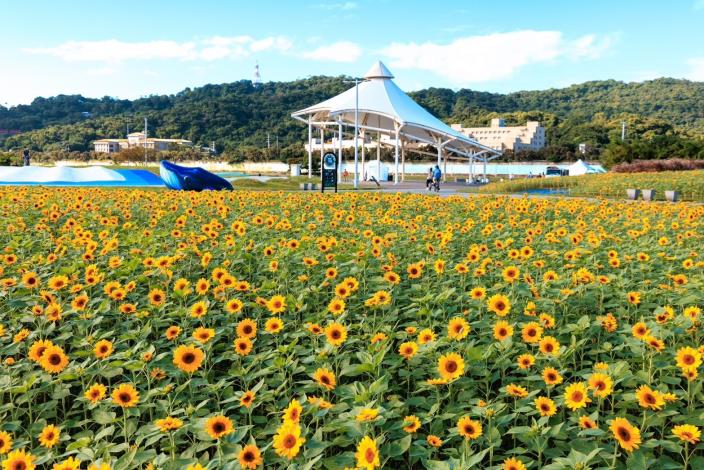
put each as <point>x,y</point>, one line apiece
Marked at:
<point>129,49</point>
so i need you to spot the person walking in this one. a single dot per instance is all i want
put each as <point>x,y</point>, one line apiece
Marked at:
<point>25,157</point>
<point>429,178</point>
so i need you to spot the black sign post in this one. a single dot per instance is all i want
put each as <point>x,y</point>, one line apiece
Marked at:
<point>329,172</point>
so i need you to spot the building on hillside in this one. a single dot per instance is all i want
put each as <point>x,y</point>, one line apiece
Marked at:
<point>136,139</point>
<point>500,137</point>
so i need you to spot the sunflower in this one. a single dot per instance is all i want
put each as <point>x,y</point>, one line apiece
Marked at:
<point>477,293</point>
<point>649,399</point>
<point>633,298</point>
<point>247,328</point>
<point>545,406</point>
<point>408,349</point>
<point>378,337</point>
<point>234,305</point>
<point>49,436</point>
<point>5,442</point>
<point>411,424</point>
<point>30,280</point>
<point>367,454</point>
<point>243,346</point>
<point>293,411</point>
<point>414,271</point>
<point>585,422</point>
<point>288,440</point>
<point>601,385</point>
<point>203,335</point>
<point>525,361</point>
<point>458,328</point>
<point>499,304</point>
<point>688,358</point>
<point>315,328</point>
<point>58,282</point>
<point>218,426</point>
<point>202,286</point>
<point>325,378</point>
<point>336,306</point>
<point>513,464</point>
<point>516,391</point>
<point>156,297</point>
<point>434,440</point>
<point>38,348</point>
<point>172,332</point>
<point>247,398</point>
<point>367,414</point>
<point>250,457</point>
<point>125,395</point>
<point>549,345</point>
<point>276,304</point>
<point>687,433</point>
<point>640,330</point>
<point>103,349</point>
<point>502,330</point>
<point>532,332</point>
<point>188,358</point>
<point>95,393</point>
<point>576,396</point>
<point>426,336</point>
<point>510,274</point>
<point>468,428</point>
<point>168,424</point>
<point>627,436</point>
<point>343,290</point>
<point>336,333</point>
<point>274,325</point>
<point>198,309</point>
<point>19,460</point>
<point>451,366</point>
<point>392,277</point>
<point>53,359</point>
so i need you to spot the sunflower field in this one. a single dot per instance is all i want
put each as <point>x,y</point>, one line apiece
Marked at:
<point>227,330</point>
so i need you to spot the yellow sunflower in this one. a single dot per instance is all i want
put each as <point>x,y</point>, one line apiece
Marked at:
<point>367,454</point>
<point>288,440</point>
<point>218,426</point>
<point>188,358</point>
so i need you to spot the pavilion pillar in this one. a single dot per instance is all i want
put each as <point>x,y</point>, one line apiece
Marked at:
<point>470,173</point>
<point>310,148</point>
<point>396,178</point>
<point>444,168</point>
<point>378,156</point>
<point>364,148</point>
<point>339,151</point>
<point>322,148</point>
<point>403,162</point>
<point>484,167</point>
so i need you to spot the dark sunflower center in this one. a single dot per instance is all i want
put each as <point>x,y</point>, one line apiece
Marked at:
<point>189,358</point>
<point>451,366</point>
<point>124,397</point>
<point>248,456</point>
<point>576,396</point>
<point>369,455</point>
<point>54,360</point>
<point>624,434</point>
<point>289,441</point>
<point>218,427</point>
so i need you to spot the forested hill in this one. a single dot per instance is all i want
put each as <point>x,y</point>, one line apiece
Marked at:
<point>236,115</point>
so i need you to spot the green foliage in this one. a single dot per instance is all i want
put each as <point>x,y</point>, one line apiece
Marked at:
<point>664,116</point>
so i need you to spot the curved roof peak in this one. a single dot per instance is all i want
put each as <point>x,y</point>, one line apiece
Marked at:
<point>378,70</point>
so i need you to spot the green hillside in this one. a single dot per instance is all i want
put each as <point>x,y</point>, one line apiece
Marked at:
<point>238,116</point>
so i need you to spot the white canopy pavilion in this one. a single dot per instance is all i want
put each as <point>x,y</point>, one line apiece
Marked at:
<point>383,109</point>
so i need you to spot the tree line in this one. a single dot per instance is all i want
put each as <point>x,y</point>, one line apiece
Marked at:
<point>664,118</point>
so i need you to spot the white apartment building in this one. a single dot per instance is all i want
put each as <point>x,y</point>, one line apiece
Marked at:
<point>136,139</point>
<point>500,137</point>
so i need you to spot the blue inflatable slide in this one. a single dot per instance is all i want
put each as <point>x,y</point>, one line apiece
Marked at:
<point>190,179</point>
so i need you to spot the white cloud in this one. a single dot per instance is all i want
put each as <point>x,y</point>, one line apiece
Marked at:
<point>493,56</point>
<point>337,6</point>
<point>343,51</point>
<point>209,49</point>
<point>696,71</point>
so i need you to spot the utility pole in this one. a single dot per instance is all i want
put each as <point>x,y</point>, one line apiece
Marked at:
<point>623,131</point>
<point>268,146</point>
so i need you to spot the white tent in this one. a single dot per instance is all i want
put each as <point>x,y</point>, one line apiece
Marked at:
<point>581,168</point>
<point>382,108</point>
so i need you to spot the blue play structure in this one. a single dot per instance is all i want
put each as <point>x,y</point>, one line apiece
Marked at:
<point>190,179</point>
<point>70,176</point>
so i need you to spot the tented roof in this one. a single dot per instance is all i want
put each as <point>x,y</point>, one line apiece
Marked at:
<point>384,107</point>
